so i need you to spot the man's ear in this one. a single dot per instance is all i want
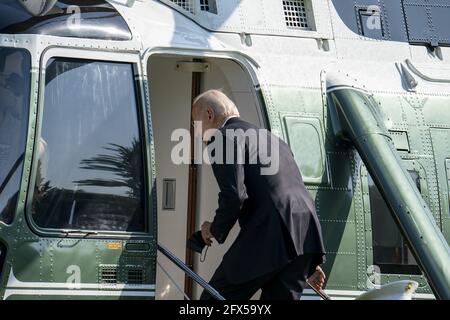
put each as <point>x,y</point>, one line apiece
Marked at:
<point>210,112</point>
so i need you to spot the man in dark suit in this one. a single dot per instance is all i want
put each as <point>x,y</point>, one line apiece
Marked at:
<point>280,242</point>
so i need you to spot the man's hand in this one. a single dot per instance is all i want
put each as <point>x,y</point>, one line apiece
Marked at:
<point>206,233</point>
<point>317,279</point>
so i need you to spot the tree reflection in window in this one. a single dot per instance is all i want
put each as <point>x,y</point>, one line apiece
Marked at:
<point>124,163</point>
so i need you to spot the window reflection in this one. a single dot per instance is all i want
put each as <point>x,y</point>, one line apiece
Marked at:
<point>90,169</point>
<point>14,101</point>
<point>94,20</point>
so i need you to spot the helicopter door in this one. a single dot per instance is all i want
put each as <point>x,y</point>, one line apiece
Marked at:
<point>183,206</point>
<point>89,204</point>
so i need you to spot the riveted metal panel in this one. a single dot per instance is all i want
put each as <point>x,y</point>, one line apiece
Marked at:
<point>441,141</point>
<point>427,21</point>
<point>337,218</point>
<point>303,18</point>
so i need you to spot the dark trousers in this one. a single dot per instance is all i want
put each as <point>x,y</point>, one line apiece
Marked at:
<point>286,283</point>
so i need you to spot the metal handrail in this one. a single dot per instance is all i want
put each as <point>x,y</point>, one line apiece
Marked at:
<point>423,76</point>
<point>205,285</point>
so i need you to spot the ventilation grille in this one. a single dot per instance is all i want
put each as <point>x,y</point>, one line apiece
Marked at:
<point>187,5</point>
<point>295,14</point>
<point>204,5</point>
<point>208,5</point>
<point>135,276</point>
<point>108,274</point>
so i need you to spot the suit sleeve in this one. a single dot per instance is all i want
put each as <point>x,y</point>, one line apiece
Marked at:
<point>232,195</point>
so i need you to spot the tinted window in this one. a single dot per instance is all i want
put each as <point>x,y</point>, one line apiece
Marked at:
<point>14,102</point>
<point>90,164</point>
<point>65,18</point>
<point>390,251</point>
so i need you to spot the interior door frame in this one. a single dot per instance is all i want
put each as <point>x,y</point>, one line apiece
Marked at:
<point>250,67</point>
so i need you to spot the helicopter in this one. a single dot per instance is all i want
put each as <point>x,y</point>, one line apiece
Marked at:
<point>91,91</point>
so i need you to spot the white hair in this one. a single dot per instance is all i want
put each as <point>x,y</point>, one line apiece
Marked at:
<point>218,101</point>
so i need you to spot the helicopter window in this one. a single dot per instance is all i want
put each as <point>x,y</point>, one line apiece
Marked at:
<point>390,251</point>
<point>14,97</point>
<point>90,172</point>
<point>65,18</point>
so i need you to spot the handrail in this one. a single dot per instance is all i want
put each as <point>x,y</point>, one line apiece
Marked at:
<point>423,76</point>
<point>190,273</point>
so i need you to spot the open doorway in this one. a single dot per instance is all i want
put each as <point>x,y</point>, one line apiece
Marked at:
<point>173,82</point>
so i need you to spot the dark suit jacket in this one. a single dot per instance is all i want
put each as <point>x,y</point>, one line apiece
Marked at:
<point>275,212</point>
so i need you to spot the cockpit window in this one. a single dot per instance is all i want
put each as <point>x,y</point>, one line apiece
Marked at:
<point>89,174</point>
<point>14,102</point>
<point>64,18</point>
